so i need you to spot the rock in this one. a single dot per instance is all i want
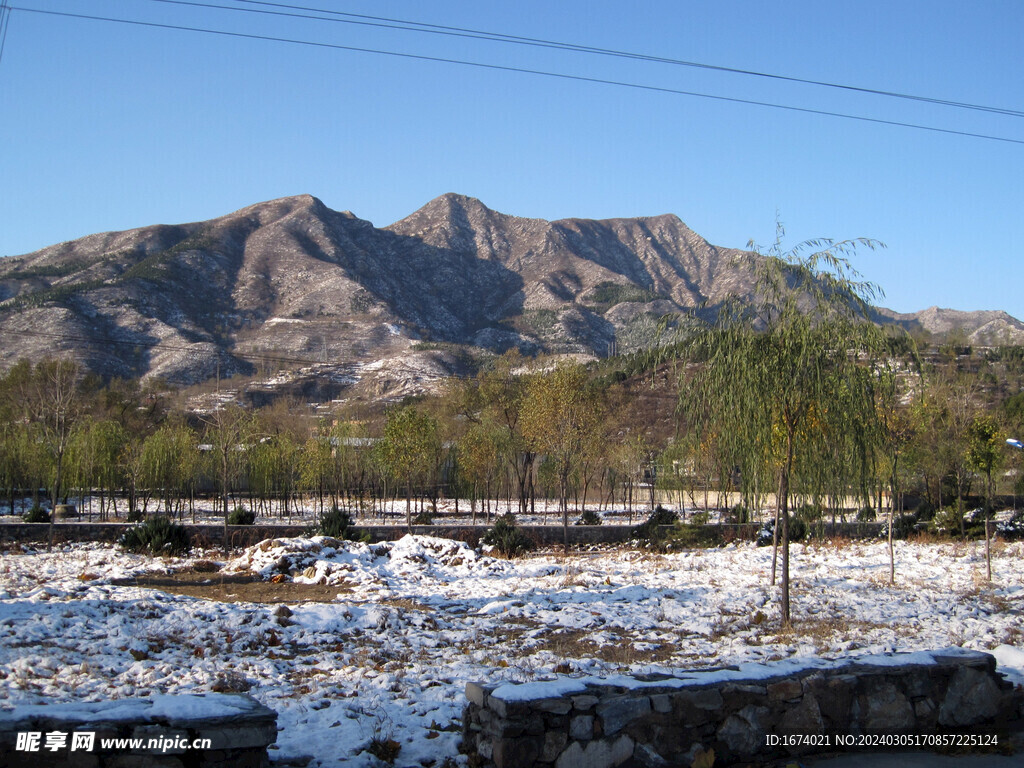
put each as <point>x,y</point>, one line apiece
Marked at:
<point>616,713</point>
<point>661,703</point>
<point>648,758</point>
<point>553,706</point>
<point>581,728</point>
<point>785,690</point>
<point>744,731</point>
<point>972,697</point>
<point>584,702</point>
<point>554,743</point>
<point>597,754</point>
<point>886,710</point>
<point>516,753</point>
<point>476,693</point>
<point>804,718</point>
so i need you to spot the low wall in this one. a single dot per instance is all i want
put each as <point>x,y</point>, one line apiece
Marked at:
<point>247,535</point>
<point>173,731</point>
<point>742,713</point>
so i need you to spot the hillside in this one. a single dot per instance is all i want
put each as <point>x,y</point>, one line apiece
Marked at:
<point>290,283</point>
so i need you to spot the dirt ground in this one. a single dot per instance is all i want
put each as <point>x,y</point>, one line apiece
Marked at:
<point>235,588</point>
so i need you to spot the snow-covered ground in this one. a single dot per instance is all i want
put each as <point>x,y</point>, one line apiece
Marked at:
<point>415,620</point>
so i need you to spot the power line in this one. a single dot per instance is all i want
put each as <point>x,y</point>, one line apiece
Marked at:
<point>439,29</point>
<point>524,70</point>
<point>5,22</point>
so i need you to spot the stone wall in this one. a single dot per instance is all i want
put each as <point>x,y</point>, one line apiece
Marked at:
<point>742,713</point>
<point>167,730</point>
<point>247,535</point>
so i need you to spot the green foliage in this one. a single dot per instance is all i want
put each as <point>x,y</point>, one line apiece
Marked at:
<point>410,449</point>
<point>424,517</point>
<point>866,515</point>
<point>37,515</point>
<point>700,518</point>
<point>691,536</point>
<point>925,511</point>
<point>241,516</point>
<point>156,536</point>
<point>338,524</point>
<point>507,537</point>
<point>590,517</point>
<point>946,521</point>
<point>540,322</point>
<point>53,295</point>
<point>607,294</point>
<point>739,514</point>
<point>775,383</point>
<point>653,529</point>
<point>903,526</point>
<point>985,451</point>
<point>810,516</point>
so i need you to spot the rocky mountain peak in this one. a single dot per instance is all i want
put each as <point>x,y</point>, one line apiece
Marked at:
<point>292,282</point>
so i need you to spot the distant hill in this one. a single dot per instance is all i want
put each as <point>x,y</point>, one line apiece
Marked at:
<point>290,282</point>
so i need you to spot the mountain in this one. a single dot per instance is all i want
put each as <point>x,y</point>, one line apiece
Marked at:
<point>982,328</point>
<point>291,284</point>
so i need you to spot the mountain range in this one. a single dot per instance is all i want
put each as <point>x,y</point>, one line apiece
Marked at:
<point>290,283</point>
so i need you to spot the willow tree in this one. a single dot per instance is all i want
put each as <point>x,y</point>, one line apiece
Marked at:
<point>409,450</point>
<point>766,369</point>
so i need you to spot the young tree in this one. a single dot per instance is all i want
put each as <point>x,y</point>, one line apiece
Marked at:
<point>500,397</point>
<point>765,370</point>
<point>169,458</point>
<point>228,430</point>
<point>410,449</point>
<point>561,413</point>
<point>985,455</point>
<point>51,400</point>
<point>479,449</point>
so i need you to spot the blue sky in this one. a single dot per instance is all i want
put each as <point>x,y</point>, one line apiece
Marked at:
<point>109,126</point>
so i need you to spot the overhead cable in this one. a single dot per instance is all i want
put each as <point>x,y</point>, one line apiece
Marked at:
<point>524,70</point>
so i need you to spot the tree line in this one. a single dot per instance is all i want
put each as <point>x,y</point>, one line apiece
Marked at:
<point>777,407</point>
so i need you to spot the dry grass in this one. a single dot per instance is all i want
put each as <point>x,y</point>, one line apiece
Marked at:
<point>577,644</point>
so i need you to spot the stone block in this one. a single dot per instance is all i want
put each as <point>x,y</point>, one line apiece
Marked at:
<point>785,690</point>
<point>736,696</point>
<point>556,706</point>
<point>143,761</point>
<point>517,753</point>
<point>972,697</point>
<point>534,725</point>
<point>833,696</point>
<point>924,710</point>
<point>476,693</point>
<point>743,732</point>
<point>554,743</point>
<point>803,718</point>
<point>606,753</point>
<point>508,709</point>
<point>699,698</point>
<point>581,727</point>
<point>886,710</point>
<point>616,713</point>
<point>584,702</point>
<point>661,703</point>
<point>647,757</point>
